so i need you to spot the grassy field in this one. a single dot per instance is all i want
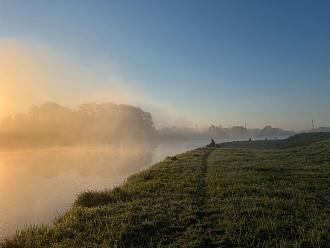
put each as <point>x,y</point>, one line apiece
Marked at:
<point>239,194</point>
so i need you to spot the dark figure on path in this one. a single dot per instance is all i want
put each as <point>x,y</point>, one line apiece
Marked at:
<point>212,143</point>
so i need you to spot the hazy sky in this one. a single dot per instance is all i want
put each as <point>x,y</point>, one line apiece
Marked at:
<point>221,62</point>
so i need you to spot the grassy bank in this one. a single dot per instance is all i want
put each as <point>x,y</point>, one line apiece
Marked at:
<point>240,194</point>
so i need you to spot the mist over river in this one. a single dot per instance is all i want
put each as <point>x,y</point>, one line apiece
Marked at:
<point>39,184</point>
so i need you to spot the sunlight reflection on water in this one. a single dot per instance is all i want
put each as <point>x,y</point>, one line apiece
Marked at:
<point>37,185</point>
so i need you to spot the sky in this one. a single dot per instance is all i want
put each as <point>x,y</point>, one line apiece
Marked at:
<point>199,62</point>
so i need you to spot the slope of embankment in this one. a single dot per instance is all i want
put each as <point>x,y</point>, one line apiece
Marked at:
<point>232,195</point>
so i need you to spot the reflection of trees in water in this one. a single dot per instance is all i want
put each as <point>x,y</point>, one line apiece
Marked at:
<point>104,161</point>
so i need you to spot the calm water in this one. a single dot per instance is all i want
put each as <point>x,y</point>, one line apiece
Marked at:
<point>37,185</point>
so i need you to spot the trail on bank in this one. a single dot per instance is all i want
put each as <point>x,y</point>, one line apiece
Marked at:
<point>256,195</point>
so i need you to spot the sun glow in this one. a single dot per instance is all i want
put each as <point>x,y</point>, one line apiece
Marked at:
<point>2,104</point>
<point>20,77</point>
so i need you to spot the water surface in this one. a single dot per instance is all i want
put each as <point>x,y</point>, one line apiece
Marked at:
<point>36,185</point>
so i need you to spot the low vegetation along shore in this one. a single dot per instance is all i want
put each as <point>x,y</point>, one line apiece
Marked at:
<point>239,194</point>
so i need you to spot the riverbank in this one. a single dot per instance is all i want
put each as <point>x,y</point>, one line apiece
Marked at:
<point>248,194</point>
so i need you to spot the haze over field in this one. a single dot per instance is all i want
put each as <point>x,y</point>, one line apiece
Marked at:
<point>51,125</point>
<point>33,73</point>
<point>92,92</point>
<point>223,75</point>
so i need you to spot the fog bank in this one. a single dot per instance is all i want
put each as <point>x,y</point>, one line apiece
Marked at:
<point>51,124</point>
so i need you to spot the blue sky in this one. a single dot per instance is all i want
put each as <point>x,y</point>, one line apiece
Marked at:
<point>264,62</point>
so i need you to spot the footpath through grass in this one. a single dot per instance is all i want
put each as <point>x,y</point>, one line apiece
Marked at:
<point>208,197</point>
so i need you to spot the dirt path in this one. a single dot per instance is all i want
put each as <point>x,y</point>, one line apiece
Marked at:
<point>201,200</point>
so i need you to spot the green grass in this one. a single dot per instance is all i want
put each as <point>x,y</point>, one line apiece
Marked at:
<point>208,197</point>
<point>297,140</point>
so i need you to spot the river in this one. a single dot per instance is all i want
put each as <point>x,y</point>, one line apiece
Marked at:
<point>37,185</point>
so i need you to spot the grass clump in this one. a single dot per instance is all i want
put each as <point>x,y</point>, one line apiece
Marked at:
<point>100,198</point>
